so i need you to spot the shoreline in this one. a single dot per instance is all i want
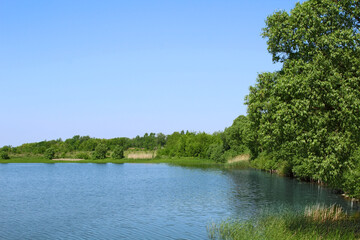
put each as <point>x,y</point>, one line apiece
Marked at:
<point>67,159</point>
<point>190,161</point>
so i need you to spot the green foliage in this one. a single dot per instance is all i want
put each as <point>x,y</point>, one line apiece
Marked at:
<point>184,144</point>
<point>118,153</point>
<point>236,136</point>
<point>285,168</point>
<point>306,117</point>
<point>77,143</point>
<point>189,144</point>
<point>6,149</point>
<point>351,183</point>
<point>161,140</point>
<point>49,153</point>
<point>148,141</point>
<point>100,151</point>
<point>63,155</point>
<point>85,145</point>
<point>218,147</point>
<point>171,145</point>
<point>115,142</point>
<point>266,161</point>
<point>215,152</point>
<point>4,155</point>
<point>82,155</point>
<point>229,154</point>
<point>235,139</point>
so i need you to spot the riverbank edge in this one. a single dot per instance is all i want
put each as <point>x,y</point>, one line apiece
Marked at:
<point>240,163</point>
<point>278,173</point>
<point>179,161</point>
<point>316,222</point>
<point>183,161</point>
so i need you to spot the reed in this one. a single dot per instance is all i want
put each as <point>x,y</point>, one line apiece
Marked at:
<point>316,222</point>
<point>321,213</point>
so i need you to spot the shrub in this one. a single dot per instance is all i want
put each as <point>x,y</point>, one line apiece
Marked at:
<point>265,161</point>
<point>4,155</point>
<point>82,156</point>
<point>118,153</point>
<point>229,154</point>
<point>63,155</point>
<point>351,184</point>
<point>100,151</point>
<point>285,168</point>
<point>215,152</point>
<point>49,153</point>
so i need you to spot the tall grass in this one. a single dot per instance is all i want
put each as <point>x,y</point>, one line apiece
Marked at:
<point>238,165</point>
<point>320,213</point>
<point>317,222</point>
<point>140,154</point>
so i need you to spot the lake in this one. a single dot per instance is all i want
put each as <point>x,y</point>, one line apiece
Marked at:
<point>139,201</point>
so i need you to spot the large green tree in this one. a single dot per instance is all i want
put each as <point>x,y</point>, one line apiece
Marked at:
<point>307,115</point>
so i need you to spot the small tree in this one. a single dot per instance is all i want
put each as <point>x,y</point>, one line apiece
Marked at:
<point>118,153</point>
<point>49,153</point>
<point>4,155</point>
<point>215,152</point>
<point>100,151</point>
<point>82,155</point>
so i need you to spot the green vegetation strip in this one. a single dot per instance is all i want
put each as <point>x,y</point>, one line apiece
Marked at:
<point>191,162</point>
<point>316,223</point>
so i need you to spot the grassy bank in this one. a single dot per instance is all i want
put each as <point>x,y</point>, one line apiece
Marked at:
<point>186,162</point>
<point>316,222</point>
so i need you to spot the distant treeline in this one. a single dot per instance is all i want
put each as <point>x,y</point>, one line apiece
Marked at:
<point>86,143</point>
<point>85,147</point>
<point>218,146</point>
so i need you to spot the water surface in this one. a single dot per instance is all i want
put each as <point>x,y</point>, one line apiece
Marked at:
<point>138,201</point>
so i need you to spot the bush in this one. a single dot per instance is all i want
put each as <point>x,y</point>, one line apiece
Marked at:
<point>63,155</point>
<point>215,152</point>
<point>82,156</point>
<point>229,154</point>
<point>118,153</point>
<point>49,153</point>
<point>241,149</point>
<point>265,161</point>
<point>285,168</point>
<point>4,155</point>
<point>351,184</point>
<point>100,151</point>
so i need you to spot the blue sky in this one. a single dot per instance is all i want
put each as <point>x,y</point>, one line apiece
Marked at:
<point>122,68</point>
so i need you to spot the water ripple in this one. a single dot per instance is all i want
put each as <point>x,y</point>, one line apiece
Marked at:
<point>136,201</point>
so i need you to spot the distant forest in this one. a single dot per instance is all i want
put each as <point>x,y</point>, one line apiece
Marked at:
<point>218,146</point>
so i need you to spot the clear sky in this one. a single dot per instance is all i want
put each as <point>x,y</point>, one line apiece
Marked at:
<point>117,68</point>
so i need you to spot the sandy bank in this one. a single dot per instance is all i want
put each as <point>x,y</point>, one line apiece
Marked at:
<point>239,158</point>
